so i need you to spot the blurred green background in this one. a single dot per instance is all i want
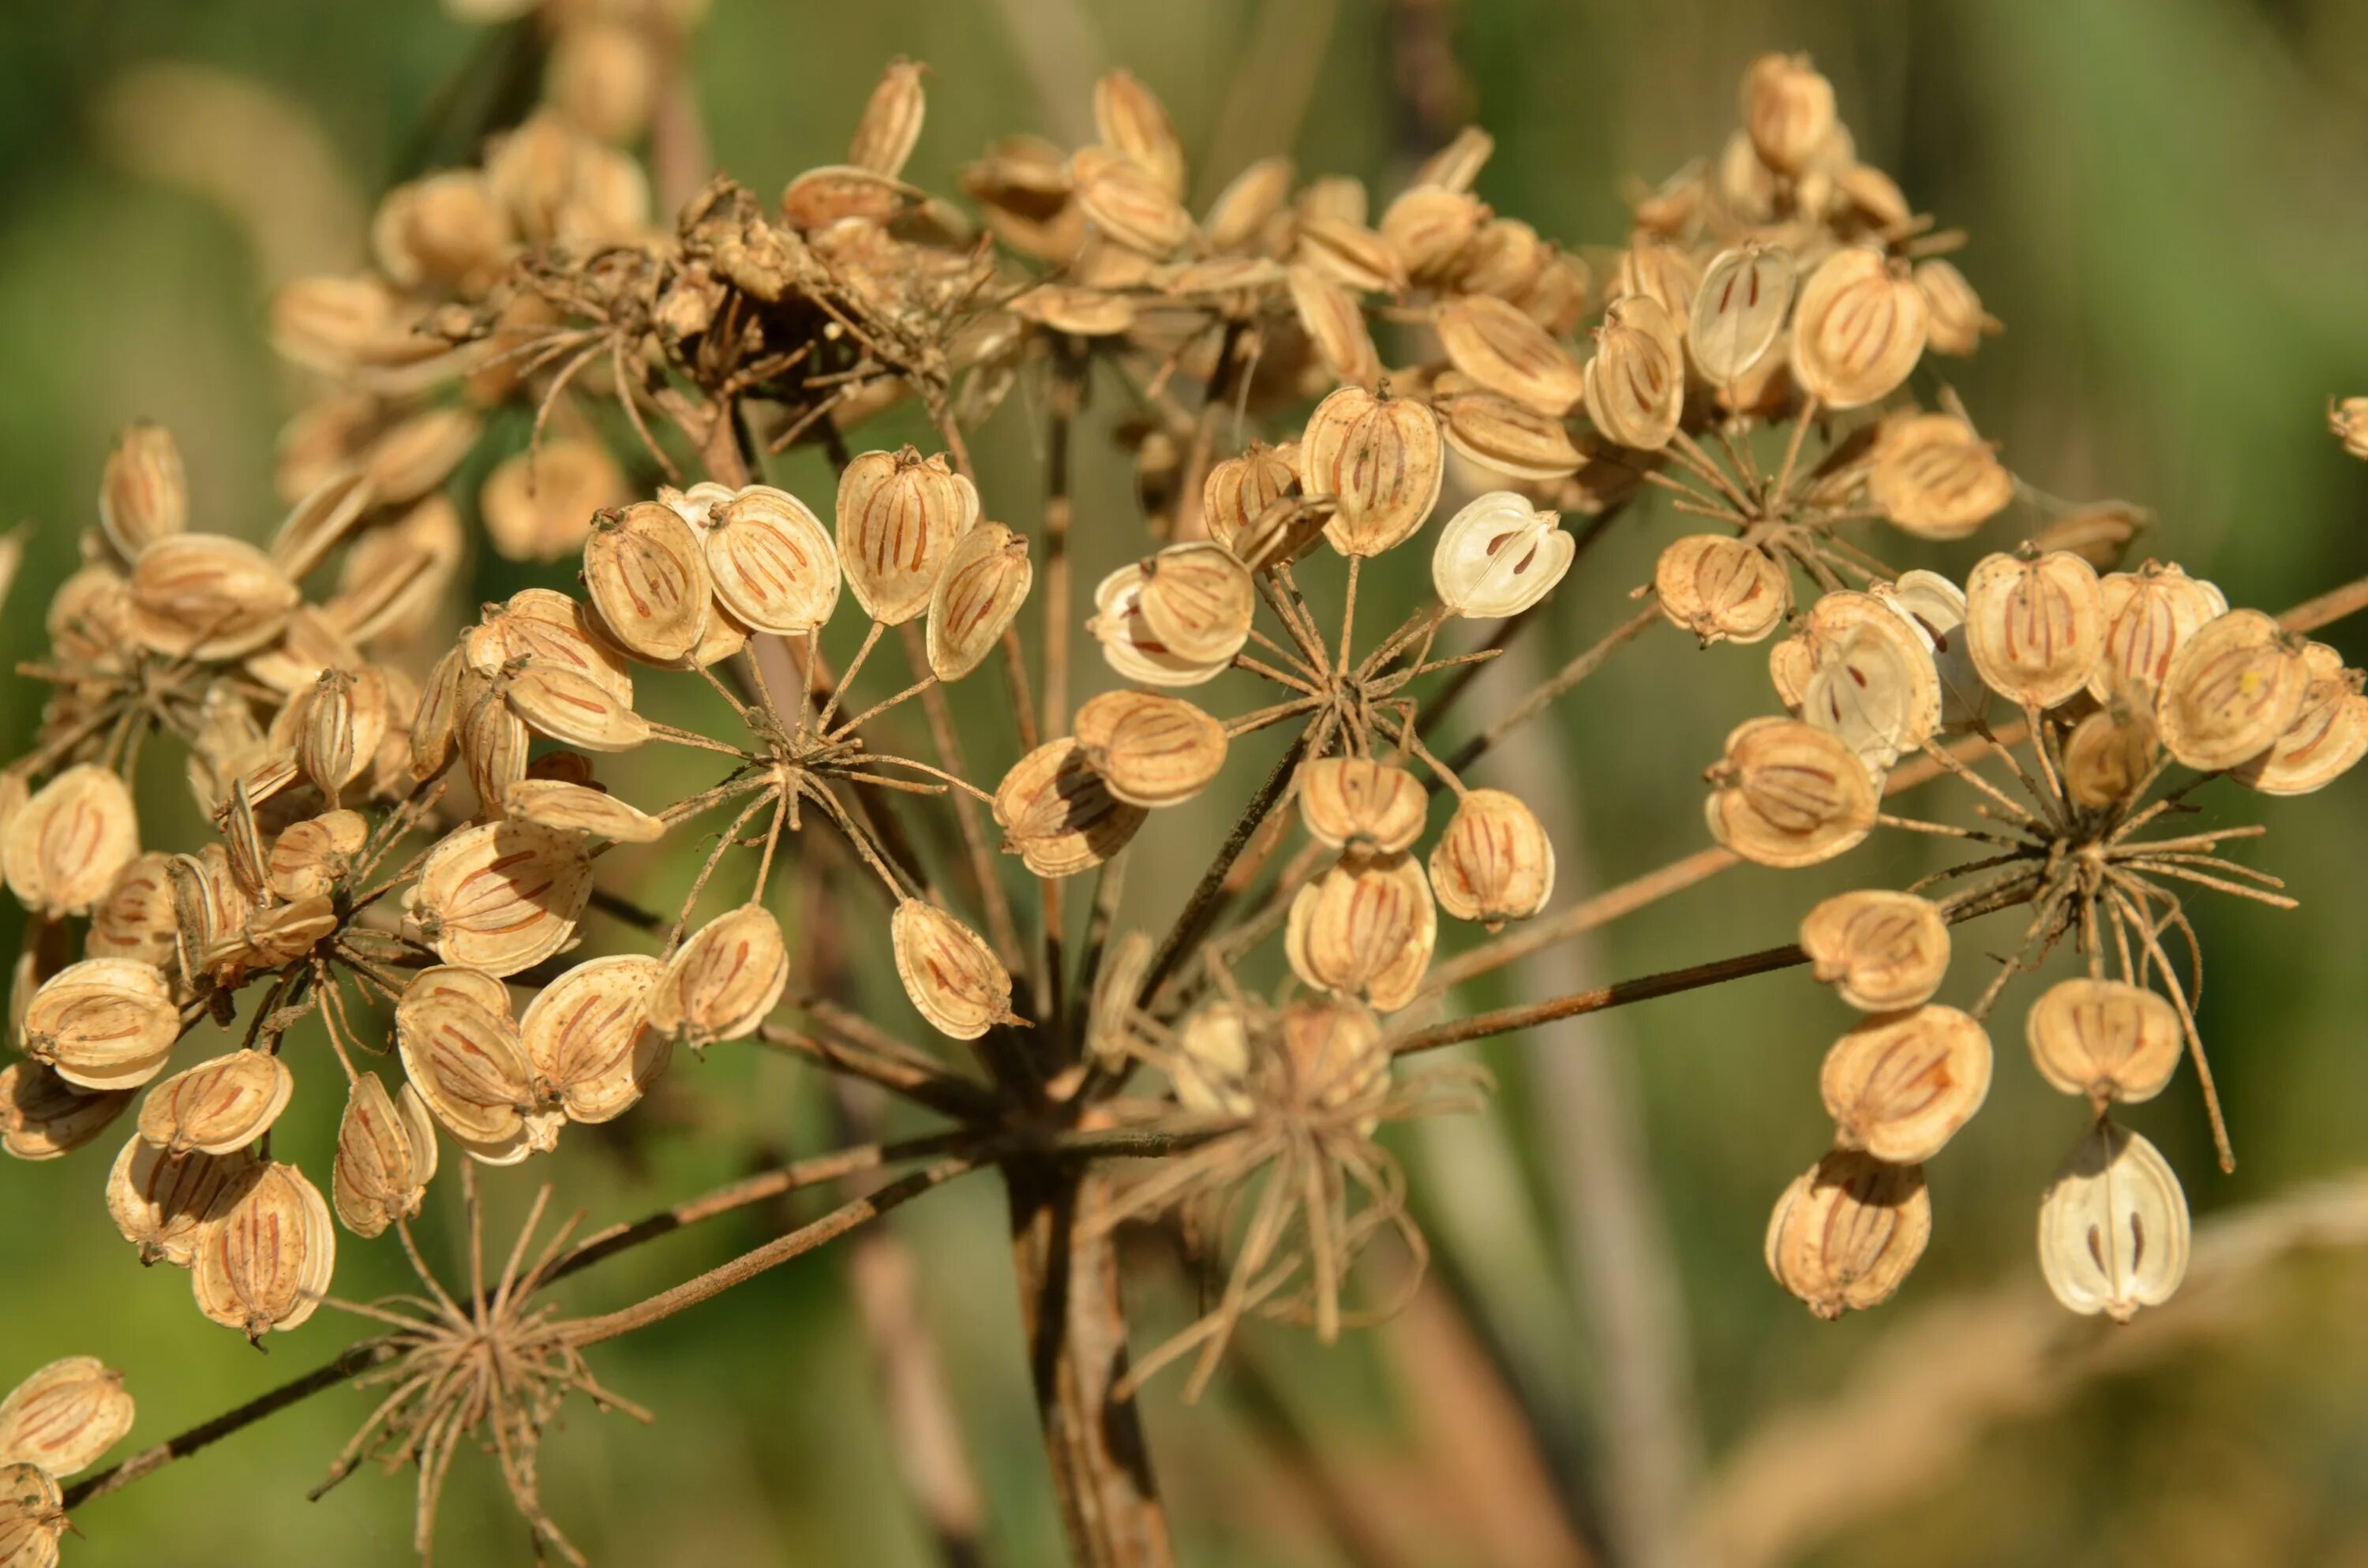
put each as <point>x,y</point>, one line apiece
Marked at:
<point>2163,198</point>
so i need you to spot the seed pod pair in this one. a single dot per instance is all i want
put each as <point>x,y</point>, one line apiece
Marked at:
<point>542,629</point>
<point>2325,738</point>
<point>1788,794</point>
<point>265,1261</point>
<point>2231,691</point>
<point>1880,950</point>
<point>1493,862</point>
<point>1239,489</point>
<point>386,1156</point>
<point>724,981</point>
<point>1361,804</point>
<point>502,897</point>
<point>144,492</point>
<point>645,571</point>
<point>1499,557</point>
<point>1721,589</point>
<point>588,1038</point>
<point>1178,618</point>
<point>1935,478</point>
<point>164,1206</point>
<point>1365,927</point>
<point>1151,750</point>
<point>1872,680</point>
<point>1497,346</point>
<point>1858,330</point>
<point>207,597</point>
<point>2113,1227</point>
<point>461,1051</point>
<point>103,1024</point>
<point>2034,625</point>
<point>1635,384</point>
<point>2149,614</point>
<point>1059,815</point>
<point>1381,458</point>
<point>1936,607</point>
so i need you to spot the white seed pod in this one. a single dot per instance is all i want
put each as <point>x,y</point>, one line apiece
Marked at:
<point>1873,682</point>
<point>134,918</point>
<point>217,1106</point>
<point>1359,803</point>
<point>1900,1084</point>
<point>2231,691</point>
<point>1059,815</point>
<point>724,981</point>
<point>1933,477</point>
<point>311,857</point>
<point>265,1263</point>
<point>1858,330</point>
<point>1239,489</point>
<point>65,846</point>
<point>1493,862</point>
<point>164,1206</point>
<point>144,492</point>
<point>986,578</point>
<point>1211,1070</point>
<point>539,503</point>
<point>103,1023</point>
<point>1380,457</point>
<point>208,597</point>
<point>573,709</point>
<point>2104,1039</point>
<point>32,1517</point>
<point>568,806</point>
<point>1880,950</point>
<point>948,972</point>
<point>646,575</point>
<point>588,1037</point>
<point>898,518</point>
<point>2107,755</point>
<point>1498,345</point>
<point>1637,382</point>
<point>1788,794</point>
<point>1721,589</point>
<point>1788,111</point>
<point>1937,608</point>
<point>1738,310</point>
<point>65,1416</point>
<point>2149,614</point>
<point>2114,1228</point>
<point>43,1116</point>
<point>2036,626</point>
<point>386,1156</point>
<point>467,1063</point>
<point>544,629</point>
<point>1151,750</point>
<point>1499,557</point>
<point>1367,926</point>
<point>503,896</point>
<point>773,563</point>
<point>1848,1231</point>
<point>2326,737</point>
<point>1335,325</point>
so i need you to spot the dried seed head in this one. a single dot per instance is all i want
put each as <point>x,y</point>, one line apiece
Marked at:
<point>1879,950</point>
<point>1239,488</point>
<point>2148,613</point>
<point>1900,1084</point>
<point>2114,1228</point>
<point>1504,437</point>
<point>1872,682</point>
<point>1934,478</point>
<point>646,574</point>
<point>1788,111</point>
<point>1858,330</point>
<point>899,515</point>
<point>2231,691</point>
<point>65,1416</point>
<point>386,1156</point>
<point>539,505</point>
<point>464,1057</point>
<point>1127,203</point>
<point>724,981</point>
<point>1721,589</point>
<point>265,1263</point>
<point>2327,738</point>
<point>541,627</point>
<point>1058,814</point>
<point>43,1116</point>
<point>311,857</point>
<point>103,1023</point>
<point>134,919</point>
<point>503,896</point>
<point>2035,625</point>
<point>1368,925</point>
<point>1846,1231</point>
<point>2107,755</point>
<point>1428,226</point>
<point>1151,750</point>
<point>1362,805</point>
<point>1788,794</point>
<point>949,972</point>
<point>773,563</point>
<point>589,1040</point>
<point>64,848</point>
<point>1380,457</point>
<point>986,578</point>
<point>1494,863</point>
<point>217,1106</point>
<point>572,710</point>
<point>1739,310</point>
<point>891,120</point>
<point>1956,322</point>
<point>1637,382</point>
<point>1500,347</point>
<point>2104,1039</point>
<point>205,596</point>
<point>569,807</point>
<point>144,495</point>
<point>1335,324</point>
<point>165,1207</point>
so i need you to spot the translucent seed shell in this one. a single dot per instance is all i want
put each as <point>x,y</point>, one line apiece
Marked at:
<point>1381,457</point>
<point>1846,1231</point>
<point>1637,382</point>
<point>503,896</point>
<point>1358,802</point>
<point>2327,738</point>
<point>1788,794</point>
<point>64,1416</point>
<point>2104,1039</point>
<point>773,563</point>
<point>1738,310</point>
<point>1494,861</point>
<point>1151,750</point>
<point>266,1262</point>
<point>217,1106</point>
<point>1858,329</point>
<point>1788,110</point>
<point>2036,626</point>
<point>646,575</point>
<point>588,1037</point>
<point>2232,689</point>
<point>1198,600</point>
<point>1880,950</point>
<point>1872,683</point>
<point>1900,1084</point>
<point>986,579</point>
<point>898,517</point>
<point>1499,557</point>
<point>724,981</point>
<point>1059,815</point>
<point>948,972</point>
<point>1500,347</point>
<point>64,847</point>
<point>2113,1227</point>
<point>1933,477</point>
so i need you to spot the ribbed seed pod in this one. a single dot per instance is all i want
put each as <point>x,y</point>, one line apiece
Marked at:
<point>339,723</point>
<point>1493,862</point>
<point>266,1262</point>
<point>773,563</point>
<point>1504,261</point>
<point>217,1106</point>
<point>589,1040</point>
<point>1127,203</point>
<point>1059,815</point>
<point>2104,1039</point>
<point>568,807</point>
<point>103,1023</point>
<point>1137,651</point>
<point>311,857</point>
<point>1150,750</point>
<point>1721,589</point>
<point>2149,613</point>
<point>144,493</point>
<point>134,918</point>
<point>324,517</point>
<point>1288,530</point>
<point>1936,607</point>
<point>1504,437</point>
<point>1858,329</point>
<point>32,1517</point>
<point>1788,794</point>
<point>647,575</point>
<point>2035,626</point>
<point>899,515</point>
<point>1210,1071</point>
<point>1846,1231</point>
<point>1335,324</point>
<point>2327,738</point>
<point>1637,382</point>
<point>1248,204</point>
<point>572,710</point>
<point>724,981</point>
<point>1880,950</point>
<point>1366,927</point>
<point>65,1416</point>
<point>386,1156</point>
<point>1738,310</point>
<point>467,1063</point>
<point>1359,803</point>
<point>541,628</point>
<point>2108,754</point>
<point>286,932</point>
<point>1380,457</point>
<point>1500,347</point>
<point>164,1206</point>
<point>1872,683</point>
<point>2114,1228</point>
<point>43,1116</point>
<point>539,503</point>
<point>2232,689</point>
<point>1351,254</point>
<point>1933,477</point>
<point>1788,111</point>
<point>1239,488</point>
<point>503,896</point>
<point>986,578</point>
<point>1428,225</point>
<point>948,972</point>
<point>436,723</point>
<point>64,847</point>
<point>1333,1056</point>
<point>1958,323</point>
<point>207,597</point>
<point>891,119</point>
<point>1198,601</point>
<point>1900,1084</point>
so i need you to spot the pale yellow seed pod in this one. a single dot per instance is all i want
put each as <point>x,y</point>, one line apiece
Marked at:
<point>1848,1231</point>
<point>311,857</point>
<point>2327,738</point>
<point>1721,589</point>
<point>1239,489</point>
<point>134,918</point>
<point>144,493</point>
<point>1059,815</point>
<point>1957,324</point>
<point>502,897</point>
<point>1366,927</point>
<point>1127,203</point>
<point>1493,862</point>
<point>1504,261</point>
<point>2231,691</point>
<point>1080,313</point>
<point>568,807</point>
<point>164,1207</point>
<point>32,1517</point>
<point>1872,683</point>
<point>891,119</point>
<point>822,198</point>
<point>1664,274</point>
<point>1362,804</point>
<point>573,709</point>
<point>339,725</point>
<point>1211,1070</point>
<point>43,1116</point>
<point>898,517</point>
<point>1936,607</point>
<point>286,932</point>
<point>1351,254</point>
<point>466,1059</point>
<point>205,596</point>
<point>1880,950</point>
<point>416,456</point>
<point>2107,755</point>
<point>2035,626</point>
<point>540,627</point>
<point>1500,347</point>
<point>1637,382</point>
<point>1866,193</point>
<point>1498,557</point>
<point>445,231</point>
<point>217,1106</point>
<point>1429,225</point>
<point>948,972</point>
<point>588,1038</point>
<point>1788,794</point>
<point>1287,530</point>
<point>265,1263</point>
<point>986,579</point>
<point>646,574</point>
<point>773,563</point>
<point>1456,166</point>
<point>1900,1084</point>
<point>1129,118</point>
<point>1858,329</point>
<point>1335,324</point>
<point>1207,597</point>
<point>1333,1056</point>
<point>539,503</point>
<point>1788,111</point>
<point>103,1023</point>
<point>724,981</point>
<point>2348,421</point>
<point>2104,1039</point>
<point>64,1416</point>
<point>2149,613</point>
<point>1249,202</point>
<point>1739,310</point>
<point>494,742</point>
<point>1933,477</point>
<point>1381,458</point>
<point>386,1156</point>
<point>1504,437</point>
<point>1151,750</point>
<point>2114,1228</point>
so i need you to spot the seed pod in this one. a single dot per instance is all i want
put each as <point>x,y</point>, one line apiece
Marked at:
<point>1381,458</point>
<point>1788,110</point>
<point>1739,310</point>
<point>545,630</point>
<point>1249,202</point>
<point>1498,347</point>
<point>2104,1039</point>
<point>43,1116</point>
<point>1128,204</point>
<point>143,495</point>
<point>1935,479</point>
<point>1846,1231</point>
<point>64,847</point>
<point>1872,683</point>
<point>1788,794</point>
<point>265,1263</point>
<point>2149,613</point>
<point>576,808</point>
<point>539,503</point>
<point>1335,324</point>
<point>1498,557</point>
<point>2035,626</point>
<point>467,1061</point>
<point>1858,330</point>
<point>1288,530</point>
<point>1239,488</point>
<point>722,982</point>
<point>1136,650</point>
<point>1637,382</point>
<point>1504,261</point>
<point>2348,421</point>
<point>899,515</point>
<point>891,120</point>
<point>1351,254</point>
<point>1211,1070</point>
<point>1880,951</point>
<point>338,724</point>
<point>2107,755</point>
<point>1059,815</point>
<point>1198,600</point>
<point>1900,1084</point>
<point>949,972</point>
<point>313,856</point>
<point>32,1517</point>
<point>65,1416</point>
<point>386,1156</point>
<point>1721,589</point>
<point>1936,607</point>
<point>986,578</point>
<point>134,918</point>
<point>322,519</point>
<point>1495,862</point>
<point>2231,690</point>
<point>2114,1229</point>
<point>103,1023</point>
<point>2327,738</point>
<point>1112,1031</point>
<point>1357,804</point>
<point>287,932</point>
<point>217,1106</point>
<point>647,578</point>
<point>165,1207</point>
<point>503,896</point>
<point>1957,321</point>
<point>773,563</point>
<point>573,710</point>
<point>588,1037</point>
<point>1333,1055</point>
<point>1367,926</point>
<point>1428,226</point>
<point>1505,437</point>
<point>206,596</point>
<point>1664,274</point>
<point>1150,750</point>
<point>494,741</point>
